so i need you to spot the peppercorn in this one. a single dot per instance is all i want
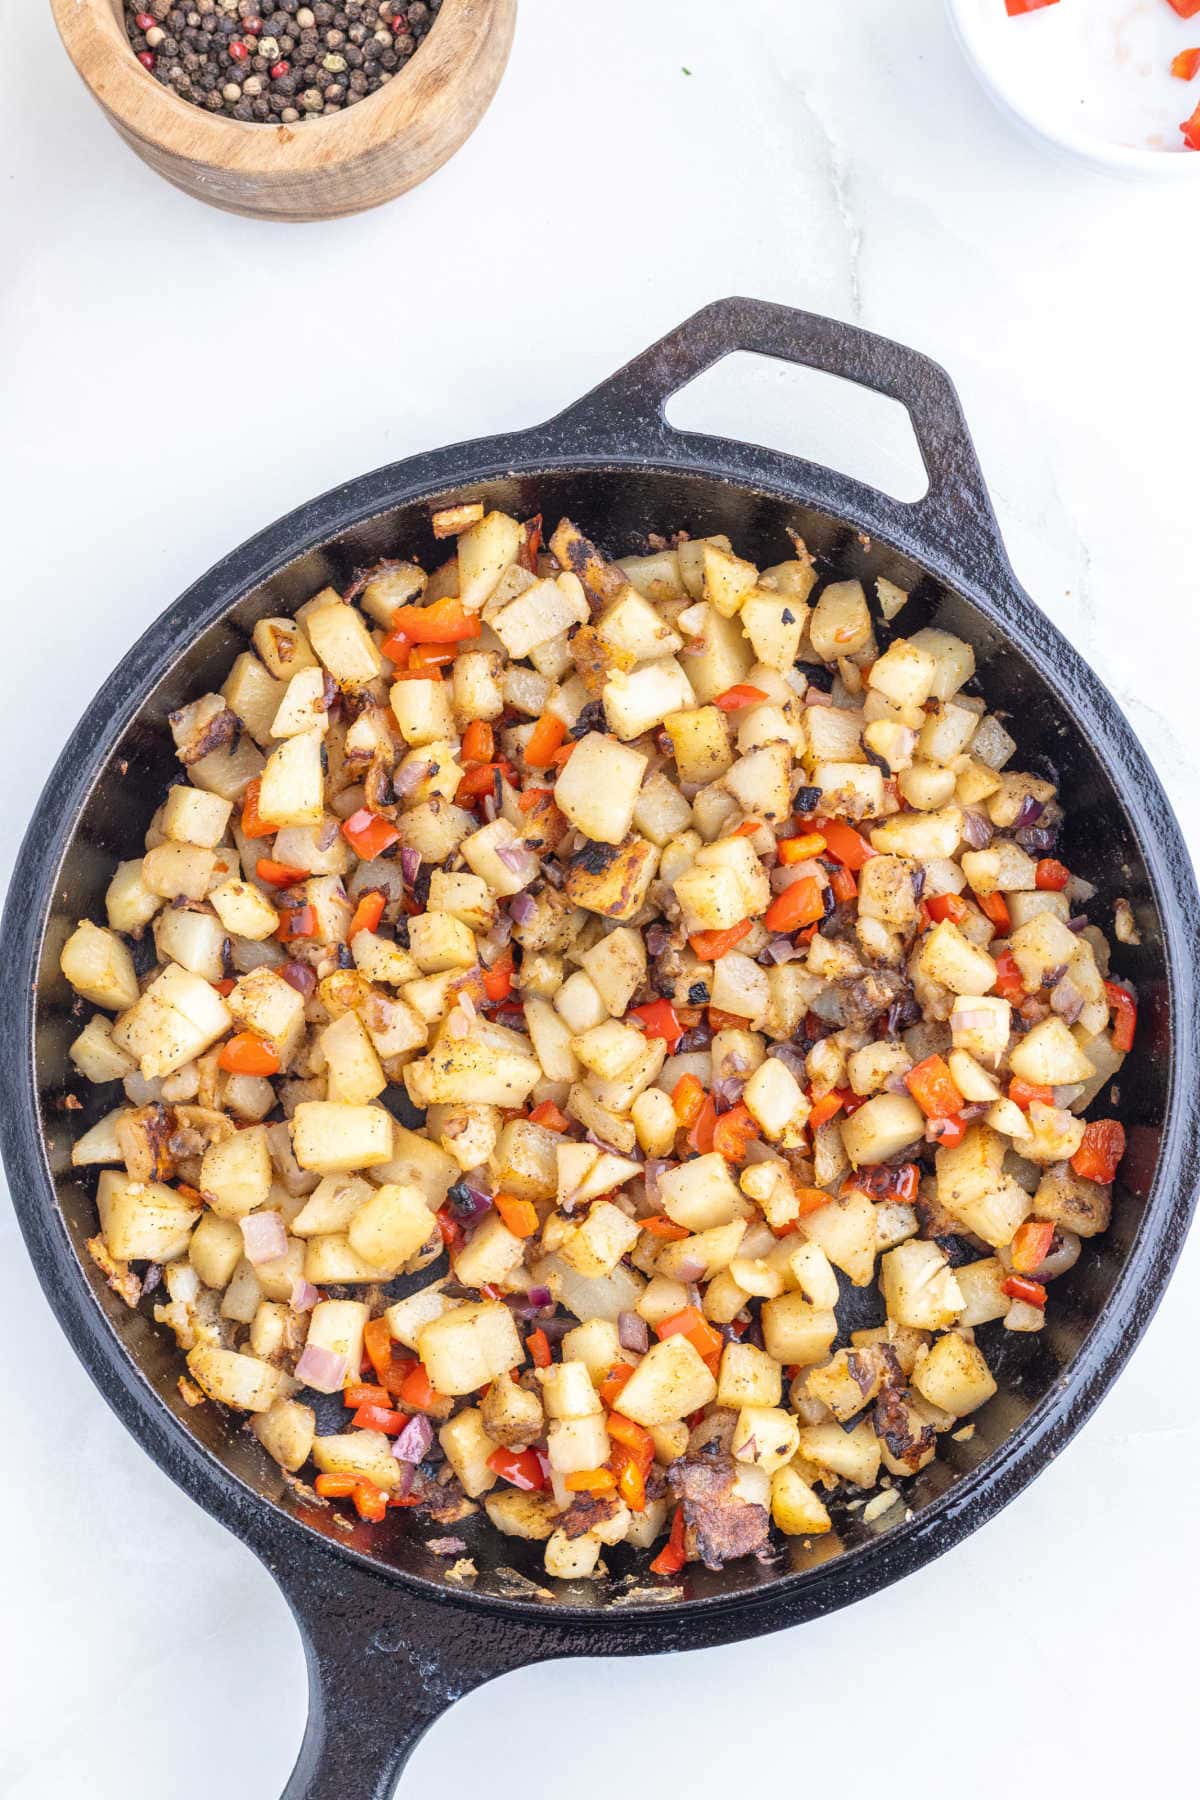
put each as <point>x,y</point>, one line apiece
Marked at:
<point>146,58</point>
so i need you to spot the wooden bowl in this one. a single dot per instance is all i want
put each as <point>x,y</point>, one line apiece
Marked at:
<point>316,168</point>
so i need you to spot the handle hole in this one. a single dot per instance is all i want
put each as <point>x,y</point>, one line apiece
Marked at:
<point>806,412</point>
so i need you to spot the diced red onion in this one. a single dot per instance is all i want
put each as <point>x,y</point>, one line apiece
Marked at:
<point>408,1474</point>
<point>971,1021</point>
<point>300,977</point>
<point>651,1172</point>
<point>151,1278</point>
<point>1060,1257</point>
<point>657,938</point>
<point>895,1084</point>
<point>728,1090</point>
<point>554,874</point>
<point>327,833</point>
<point>817,697</point>
<point>1067,1000</point>
<point>410,864</point>
<point>1078,922</point>
<point>470,1202</point>
<point>304,1296</point>
<point>749,1450</point>
<point>689,1268</point>
<point>633,1332</point>
<point>467,1005</point>
<point>458,1024</point>
<point>1031,811</point>
<point>447,1546</point>
<point>490,810</point>
<point>265,1236</point>
<point>518,858</point>
<point>540,1296</point>
<point>521,906</point>
<point>322,1369</point>
<point>1038,840</point>
<point>544,1464</point>
<point>786,874</point>
<point>409,777</point>
<point>791,1058</point>
<point>601,1145</point>
<point>782,950</point>
<point>414,1440</point>
<point>977,828</point>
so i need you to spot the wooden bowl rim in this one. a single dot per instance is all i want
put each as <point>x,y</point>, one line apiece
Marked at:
<point>95,40</point>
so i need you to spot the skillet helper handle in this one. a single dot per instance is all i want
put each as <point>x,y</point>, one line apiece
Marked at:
<point>383,1666</point>
<point>627,411</point>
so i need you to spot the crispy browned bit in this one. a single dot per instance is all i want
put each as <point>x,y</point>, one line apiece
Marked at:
<point>119,1276</point>
<point>723,1526</point>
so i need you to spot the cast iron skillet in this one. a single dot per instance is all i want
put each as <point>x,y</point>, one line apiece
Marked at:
<point>390,1642</point>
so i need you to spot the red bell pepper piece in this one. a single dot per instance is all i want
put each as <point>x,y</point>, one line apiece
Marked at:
<point>1051,875</point>
<point>367,913</point>
<point>843,843</point>
<point>1015,8</point>
<point>277,874</point>
<point>377,1343</point>
<point>363,1393</point>
<point>519,1215</point>
<point>995,907</point>
<point>1100,1152</point>
<point>691,1324</point>
<point>803,903</point>
<point>549,1117</point>
<point>445,622</point>
<point>700,1137</point>
<point>672,1556</point>
<point>631,1482</point>
<point>248,1054</point>
<point>741,694</point>
<point>733,1131</point>
<point>1010,983</point>
<point>1018,1287</point>
<point>844,885</point>
<point>296,922</point>
<point>826,1108</point>
<point>498,980</point>
<point>1191,131</point>
<point>799,849</point>
<point>417,1389</point>
<point>659,1226</point>
<point>1031,1245</point>
<point>538,1346</point>
<point>545,740</point>
<point>659,1020</point>
<point>946,906</point>
<point>1122,1003</point>
<point>252,825</point>
<point>934,1089</point>
<point>1187,9</point>
<point>1186,65</point>
<point>711,945</point>
<point>946,1131</point>
<point>520,1467</point>
<point>611,1387</point>
<point>380,1418</point>
<point>687,1097</point>
<point>1024,1093</point>
<point>478,742</point>
<point>369,835</point>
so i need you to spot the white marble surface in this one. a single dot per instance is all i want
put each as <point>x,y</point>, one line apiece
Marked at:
<point>173,378</point>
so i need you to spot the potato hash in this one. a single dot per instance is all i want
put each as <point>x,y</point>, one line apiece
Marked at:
<point>709,924</point>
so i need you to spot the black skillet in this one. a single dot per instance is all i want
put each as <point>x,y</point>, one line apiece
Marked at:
<point>391,1643</point>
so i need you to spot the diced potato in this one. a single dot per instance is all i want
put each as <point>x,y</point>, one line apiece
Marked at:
<point>192,817</point>
<point>596,1345</point>
<point>390,1226</point>
<point>720,660</point>
<point>286,1432</point>
<point>292,788</point>
<point>468,1446</point>
<point>572,1559</point>
<point>945,955</point>
<point>616,966</point>
<point>775,1099</point>
<point>671,1382</point>
<point>95,1055</point>
<point>854,1455</point>
<point>567,1390</point>
<point>544,610</point>
<point>215,1250</point>
<point>330,1259</point>
<point>352,1067</point>
<point>267,1004</point>
<point>343,643</point>
<point>490,1254</point>
<point>637,701</point>
<point>980,1025</point>
<point>795,1507</point>
<point>919,1287</point>
<point>597,790</point>
<point>852,790</point>
<point>954,659</point>
<point>331,1138</point>
<point>1070,1201</point>
<point>99,967</point>
<point>234,1380</point>
<point>235,1174</point>
<point>244,910</point>
<point>748,1377</point>
<point>920,835</point>
<point>982,1287</point>
<point>469,1346</point>
<point>700,1193</point>
<point>795,1332</point>
<point>596,1246</point>
<point>176,1020</point>
<point>954,1376</point>
<point>283,646</point>
<point>128,902</point>
<point>180,871</point>
<point>840,622</point>
<point>423,711</point>
<point>904,674</point>
<point>766,1437</point>
<point>364,1453</point>
<point>143,1220</point>
<point>1048,1055</point>
<point>811,1269</point>
<point>491,1066</point>
<point>774,624</point>
<point>881,1128</point>
<point>254,695</point>
<point>521,1515</point>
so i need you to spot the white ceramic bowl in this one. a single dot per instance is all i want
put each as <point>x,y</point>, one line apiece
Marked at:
<point>1090,76</point>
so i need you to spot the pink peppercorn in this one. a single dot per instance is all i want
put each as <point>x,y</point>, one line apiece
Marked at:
<point>145,21</point>
<point>279,69</point>
<point>238,50</point>
<point>146,58</point>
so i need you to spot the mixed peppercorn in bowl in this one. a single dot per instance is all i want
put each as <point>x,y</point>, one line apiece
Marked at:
<point>708,922</point>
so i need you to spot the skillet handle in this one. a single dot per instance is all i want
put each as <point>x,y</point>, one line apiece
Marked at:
<point>627,412</point>
<point>383,1665</point>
